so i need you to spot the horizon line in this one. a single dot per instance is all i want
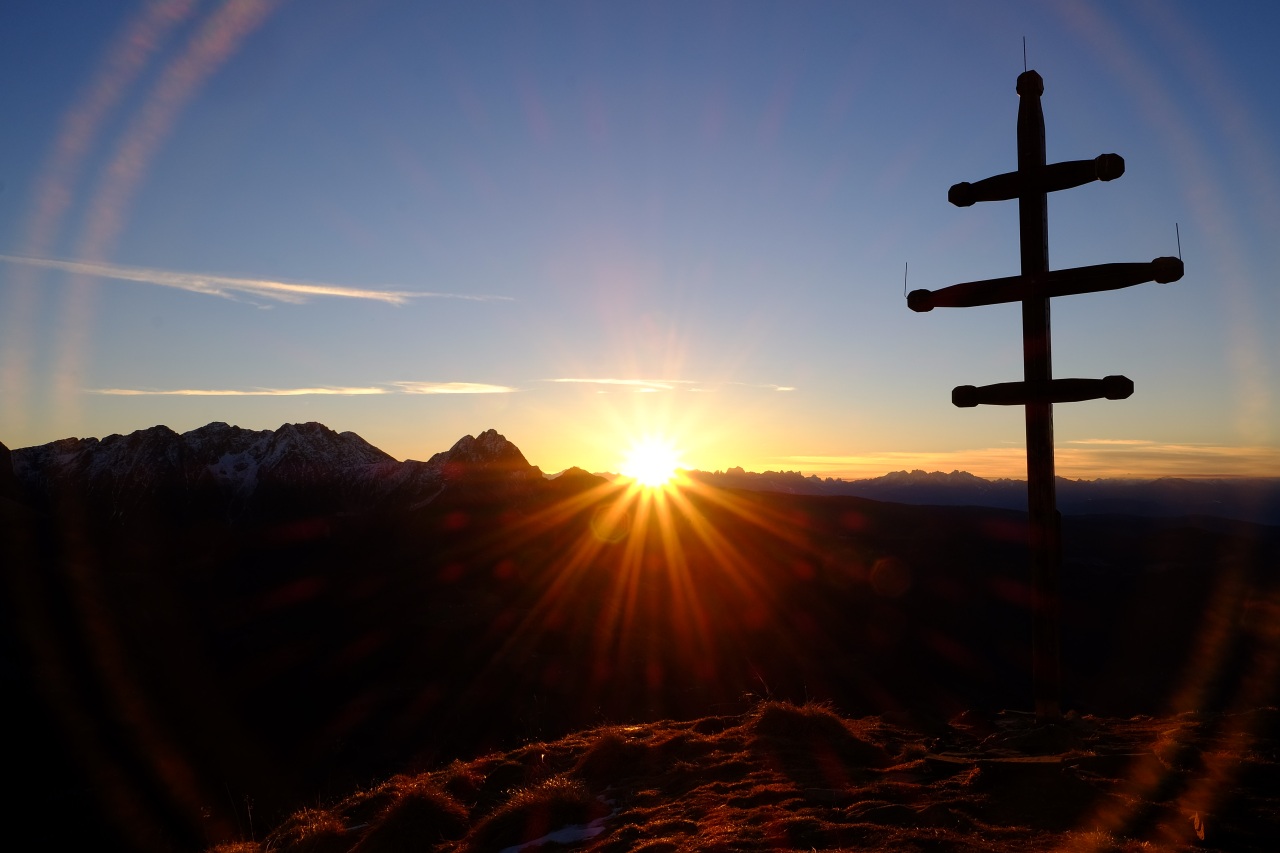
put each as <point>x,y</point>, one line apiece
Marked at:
<point>1085,459</point>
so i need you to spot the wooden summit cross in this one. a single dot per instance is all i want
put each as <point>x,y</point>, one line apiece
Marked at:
<point>1038,391</point>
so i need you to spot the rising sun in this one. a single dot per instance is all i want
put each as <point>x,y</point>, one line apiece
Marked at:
<point>652,462</point>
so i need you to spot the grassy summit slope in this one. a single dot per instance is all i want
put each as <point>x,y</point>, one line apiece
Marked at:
<point>787,777</point>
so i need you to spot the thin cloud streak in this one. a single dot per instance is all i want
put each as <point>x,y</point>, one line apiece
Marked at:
<point>1131,442</point>
<point>232,392</point>
<point>228,286</point>
<point>648,385</point>
<point>987,462</point>
<point>1085,459</point>
<point>452,388</point>
<point>640,384</point>
<point>324,390</point>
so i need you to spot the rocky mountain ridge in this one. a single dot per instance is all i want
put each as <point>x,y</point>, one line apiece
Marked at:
<point>236,471</point>
<point>239,471</point>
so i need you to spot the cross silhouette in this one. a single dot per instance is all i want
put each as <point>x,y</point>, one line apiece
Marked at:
<point>1038,390</point>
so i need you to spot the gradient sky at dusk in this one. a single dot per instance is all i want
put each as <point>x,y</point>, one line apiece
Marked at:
<point>585,223</point>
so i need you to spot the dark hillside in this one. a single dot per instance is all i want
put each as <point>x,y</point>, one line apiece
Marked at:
<point>171,670</point>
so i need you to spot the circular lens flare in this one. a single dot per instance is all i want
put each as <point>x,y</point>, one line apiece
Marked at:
<point>652,462</point>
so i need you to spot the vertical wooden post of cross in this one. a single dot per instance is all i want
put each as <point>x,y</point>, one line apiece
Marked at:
<point>1037,355</point>
<point>1038,390</point>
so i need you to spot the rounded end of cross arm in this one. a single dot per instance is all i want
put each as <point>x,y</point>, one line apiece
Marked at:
<point>1030,83</point>
<point>961,194</point>
<point>964,396</point>
<point>1165,270</point>
<point>1108,167</point>
<point>1117,387</point>
<point>919,300</point>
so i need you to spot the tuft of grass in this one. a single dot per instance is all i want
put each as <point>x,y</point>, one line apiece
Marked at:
<point>309,831</point>
<point>609,758</point>
<point>420,816</point>
<point>462,782</point>
<point>363,807</point>
<point>534,812</point>
<point>813,727</point>
<point>772,719</point>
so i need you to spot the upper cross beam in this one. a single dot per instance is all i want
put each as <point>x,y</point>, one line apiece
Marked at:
<point>1054,177</point>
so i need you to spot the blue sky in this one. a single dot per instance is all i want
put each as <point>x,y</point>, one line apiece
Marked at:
<point>586,223</point>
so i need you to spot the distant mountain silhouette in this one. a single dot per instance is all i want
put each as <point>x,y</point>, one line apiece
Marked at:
<point>1243,499</point>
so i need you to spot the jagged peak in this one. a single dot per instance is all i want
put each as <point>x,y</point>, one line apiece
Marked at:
<point>919,475</point>
<point>159,431</point>
<point>69,445</point>
<point>575,473</point>
<point>488,446</point>
<point>489,451</point>
<point>306,428</point>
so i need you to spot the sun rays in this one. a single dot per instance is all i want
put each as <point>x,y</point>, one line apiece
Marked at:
<point>649,574</point>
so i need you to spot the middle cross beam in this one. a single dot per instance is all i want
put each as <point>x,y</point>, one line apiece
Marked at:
<point>1058,176</point>
<point>1068,282</point>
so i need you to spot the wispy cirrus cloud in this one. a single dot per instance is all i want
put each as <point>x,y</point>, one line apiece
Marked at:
<point>239,392</point>
<point>1141,458</point>
<point>322,390</point>
<point>984,462</point>
<point>1084,459</point>
<point>636,384</point>
<point>452,388</point>
<point>650,385</point>
<point>1109,442</point>
<point>229,287</point>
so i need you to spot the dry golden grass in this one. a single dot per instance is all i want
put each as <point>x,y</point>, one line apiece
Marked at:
<point>786,777</point>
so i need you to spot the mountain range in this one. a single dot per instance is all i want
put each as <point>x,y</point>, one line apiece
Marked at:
<point>239,471</point>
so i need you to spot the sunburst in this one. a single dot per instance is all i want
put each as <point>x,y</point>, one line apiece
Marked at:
<point>652,462</point>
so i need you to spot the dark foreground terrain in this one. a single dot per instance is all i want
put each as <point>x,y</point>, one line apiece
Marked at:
<point>188,663</point>
<point>783,777</point>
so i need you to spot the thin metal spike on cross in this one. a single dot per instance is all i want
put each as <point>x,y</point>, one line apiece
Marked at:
<point>1038,390</point>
